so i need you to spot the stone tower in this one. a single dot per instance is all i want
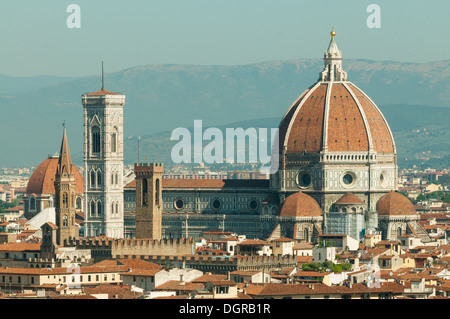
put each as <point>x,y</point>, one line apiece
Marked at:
<point>103,163</point>
<point>149,200</point>
<point>65,210</point>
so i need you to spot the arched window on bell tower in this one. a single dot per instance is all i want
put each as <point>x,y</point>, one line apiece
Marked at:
<point>92,208</point>
<point>65,220</point>
<point>157,191</point>
<point>92,179</point>
<point>95,139</point>
<point>144,192</point>
<point>99,178</point>
<point>65,202</point>
<point>114,140</point>
<point>99,208</point>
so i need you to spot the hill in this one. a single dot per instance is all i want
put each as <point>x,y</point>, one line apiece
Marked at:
<point>163,97</point>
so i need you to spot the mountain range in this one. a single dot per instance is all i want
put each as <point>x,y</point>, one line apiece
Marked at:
<point>414,97</point>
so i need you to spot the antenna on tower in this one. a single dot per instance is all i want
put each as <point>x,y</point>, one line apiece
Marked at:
<point>103,78</point>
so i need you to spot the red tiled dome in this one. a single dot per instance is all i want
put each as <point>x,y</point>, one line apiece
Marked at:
<point>349,199</point>
<point>394,203</point>
<point>299,205</point>
<point>42,181</point>
<point>352,124</point>
<point>334,115</point>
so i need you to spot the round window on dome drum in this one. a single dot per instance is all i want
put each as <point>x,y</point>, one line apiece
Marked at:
<point>348,179</point>
<point>253,204</point>
<point>304,179</point>
<point>216,204</point>
<point>179,204</point>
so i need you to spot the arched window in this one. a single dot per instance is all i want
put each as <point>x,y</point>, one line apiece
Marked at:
<point>65,201</point>
<point>144,192</point>
<point>157,191</point>
<point>78,203</point>
<point>117,179</point>
<point>399,232</point>
<point>99,178</point>
<point>92,179</point>
<point>117,208</point>
<point>65,222</point>
<point>99,208</point>
<point>114,140</point>
<point>112,208</point>
<point>92,208</point>
<point>306,234</point>
<point>95,140</point>
<point>32,203</point>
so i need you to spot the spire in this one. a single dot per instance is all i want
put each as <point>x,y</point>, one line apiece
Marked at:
<point>333,62</point>
<point>103,78</point>
<point>64,162</point>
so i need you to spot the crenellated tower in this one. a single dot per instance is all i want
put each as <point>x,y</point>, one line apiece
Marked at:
<point>149,200</point>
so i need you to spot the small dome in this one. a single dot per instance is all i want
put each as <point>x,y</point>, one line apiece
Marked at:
<point>349,199</point>
<point>42,181</point>
<point>299,205</point>
<point>394,203</point>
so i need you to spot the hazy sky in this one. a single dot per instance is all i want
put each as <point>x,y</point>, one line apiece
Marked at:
<point>35,39</point>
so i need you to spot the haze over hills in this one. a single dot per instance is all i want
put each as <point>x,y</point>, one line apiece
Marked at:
<point>412,96</point>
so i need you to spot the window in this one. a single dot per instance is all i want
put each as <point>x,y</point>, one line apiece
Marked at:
<point>92,208</point>
<point>216,204</point>
<point>253,204</point>
<point>78,203</point>
<point>32,203</point>
<point>114,141</point>
<point>144,192</point>
<point>99,208</point>
<point>92,179</point>
<point>304,179</point>
<point>179,204</point>
<point>89,277</point>
<point>65,200</point>
<point>65,220</point>
<point>157,192</point>
<point>32,280</point>
<point>99,178</point>
<point>95,140</point>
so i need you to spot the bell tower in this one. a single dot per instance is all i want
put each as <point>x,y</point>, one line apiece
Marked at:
<point>149,200</point>
<point>65,208</point>
<point>103,162</point>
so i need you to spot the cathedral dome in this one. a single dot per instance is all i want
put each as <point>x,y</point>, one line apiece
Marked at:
<point>42,181</point>
<point>334,115</point>
<point>349,199</point>
<point>394,204</point>
<point>299,205</point>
